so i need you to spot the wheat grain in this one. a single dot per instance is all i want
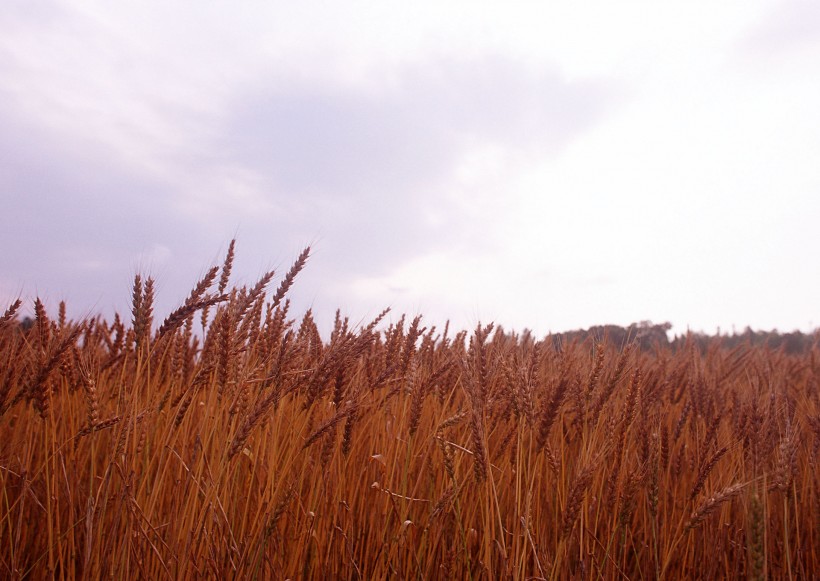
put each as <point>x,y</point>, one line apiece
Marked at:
<point>712,503</point>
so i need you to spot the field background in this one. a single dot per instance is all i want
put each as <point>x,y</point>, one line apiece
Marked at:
<point>232,441</point>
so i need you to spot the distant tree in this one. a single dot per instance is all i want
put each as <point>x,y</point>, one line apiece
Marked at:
<point>647,334</point>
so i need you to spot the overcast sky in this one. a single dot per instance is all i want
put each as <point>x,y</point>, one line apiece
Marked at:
<point>549,165</point>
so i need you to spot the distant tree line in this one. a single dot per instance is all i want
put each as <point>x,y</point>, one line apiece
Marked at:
<point>649,336</point>
<point>793,343</point>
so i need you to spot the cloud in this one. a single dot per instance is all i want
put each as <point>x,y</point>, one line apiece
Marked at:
<point>434,155</point>
<point>794,24</point>
<point>103,167</point>
<point>376,168</point>
<point>321,138</point>
<point>81,222</point>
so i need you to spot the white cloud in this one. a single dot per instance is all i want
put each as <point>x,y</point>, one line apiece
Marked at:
<point>566,162</point>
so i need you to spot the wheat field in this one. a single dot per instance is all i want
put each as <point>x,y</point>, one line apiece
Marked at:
<point>231,441</point>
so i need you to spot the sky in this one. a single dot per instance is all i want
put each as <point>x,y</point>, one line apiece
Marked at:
<point>540,165</point>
